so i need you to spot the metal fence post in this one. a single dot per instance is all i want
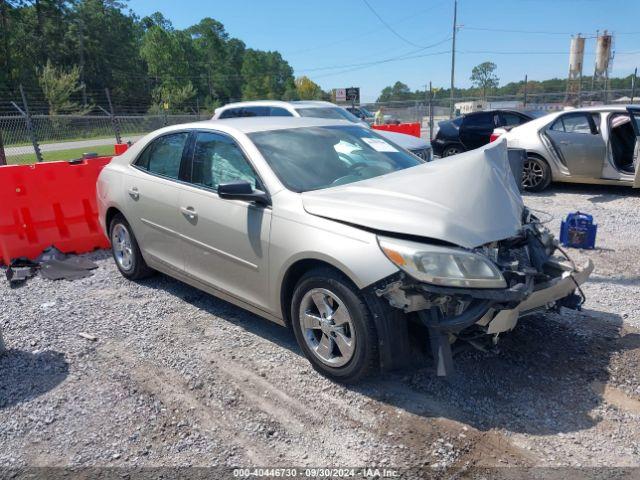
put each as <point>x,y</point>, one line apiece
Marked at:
<point>430,112</point>
<point>32,132</point>
<point>165,107</point>
<point>114,120</point>
<point>633,84</point>
<point>3,161</point>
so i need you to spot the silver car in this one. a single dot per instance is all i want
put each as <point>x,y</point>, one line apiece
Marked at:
<point>334,231</point>
<point>317,109</point>
<point>585,145</point>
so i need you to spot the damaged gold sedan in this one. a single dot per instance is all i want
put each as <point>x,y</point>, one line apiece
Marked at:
<point>338,233</point>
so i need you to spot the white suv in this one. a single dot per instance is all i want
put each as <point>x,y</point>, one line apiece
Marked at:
<point>317,109</point>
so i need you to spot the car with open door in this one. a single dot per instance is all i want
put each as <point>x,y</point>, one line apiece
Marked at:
<point>596,145</point>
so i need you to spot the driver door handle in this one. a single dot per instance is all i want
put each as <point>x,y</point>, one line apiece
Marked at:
<point>134,193</point>
<point>564,142</point>
<point>189,212</point>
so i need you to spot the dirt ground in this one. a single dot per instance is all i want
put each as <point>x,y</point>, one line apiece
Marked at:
<point>176,377</point>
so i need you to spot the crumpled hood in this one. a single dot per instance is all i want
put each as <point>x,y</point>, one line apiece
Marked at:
<point>468,199</point>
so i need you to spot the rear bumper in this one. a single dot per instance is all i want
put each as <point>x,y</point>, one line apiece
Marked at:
<point>437,145</point>
<point>543,297</point>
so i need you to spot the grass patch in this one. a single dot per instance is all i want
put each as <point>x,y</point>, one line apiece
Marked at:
<point>101,150</point>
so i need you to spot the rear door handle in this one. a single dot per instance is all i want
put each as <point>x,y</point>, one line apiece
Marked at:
<point>564,142</point>
<point>134,193</point>
<point>189,212</point>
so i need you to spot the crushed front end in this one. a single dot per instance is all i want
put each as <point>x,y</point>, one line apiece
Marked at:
<point>481,292</point>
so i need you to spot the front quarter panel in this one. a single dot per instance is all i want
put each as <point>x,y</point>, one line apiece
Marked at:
<point>297,235</point>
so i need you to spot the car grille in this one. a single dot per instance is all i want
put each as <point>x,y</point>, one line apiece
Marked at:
<point>423,153</point>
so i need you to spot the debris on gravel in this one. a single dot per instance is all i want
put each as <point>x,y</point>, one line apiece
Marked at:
<point>106,372</point>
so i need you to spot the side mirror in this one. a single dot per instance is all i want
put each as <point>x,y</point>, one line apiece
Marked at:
<point>242,190</point>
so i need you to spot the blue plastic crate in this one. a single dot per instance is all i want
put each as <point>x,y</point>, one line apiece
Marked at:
<point>578,231</point>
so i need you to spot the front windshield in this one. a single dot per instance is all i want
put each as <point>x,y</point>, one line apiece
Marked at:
<point>334,113</point>
<point>313,158</point>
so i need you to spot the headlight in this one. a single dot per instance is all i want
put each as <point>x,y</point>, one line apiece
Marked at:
<point>451,267</point>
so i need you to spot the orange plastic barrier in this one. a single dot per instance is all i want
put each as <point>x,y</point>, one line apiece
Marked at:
<point>408,128</point>
<point>51,203</point>
<point>120,148</point>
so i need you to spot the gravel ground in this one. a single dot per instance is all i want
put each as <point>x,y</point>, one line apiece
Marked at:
<point>176,377</point>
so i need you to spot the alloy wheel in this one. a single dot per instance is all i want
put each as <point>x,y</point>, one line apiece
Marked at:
<point>122,246</point>
<point>327,327</point>
<point>532,173</point>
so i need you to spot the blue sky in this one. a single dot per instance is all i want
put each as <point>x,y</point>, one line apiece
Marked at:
<point>329,40</point>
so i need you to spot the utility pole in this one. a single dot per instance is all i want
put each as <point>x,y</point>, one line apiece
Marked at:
<point>453,54</point>
<point>524,104</point>
<point>633,84</point>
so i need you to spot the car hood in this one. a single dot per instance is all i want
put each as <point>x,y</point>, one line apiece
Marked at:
<point>403,140</point>
<point>468,199</point>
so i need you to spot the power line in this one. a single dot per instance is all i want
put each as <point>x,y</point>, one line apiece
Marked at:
<point>389,27</point>
<point>333,67</point>
<point>360,35</point>
<point>396,59</point>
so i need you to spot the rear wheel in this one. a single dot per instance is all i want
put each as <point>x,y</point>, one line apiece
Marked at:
<point>536,174</point>
<point>452,150</point>
<point>333,326</point>
<point>126,251</point>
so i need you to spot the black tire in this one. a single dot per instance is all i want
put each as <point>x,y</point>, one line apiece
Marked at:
<point>536,174</point>
<point>452,150</point>
<point>364,357</point>
<point>138,268</point>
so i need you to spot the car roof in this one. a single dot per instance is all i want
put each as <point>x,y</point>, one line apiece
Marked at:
<point>258,124</point>
<point>278,103</point>
<point>599,108</point>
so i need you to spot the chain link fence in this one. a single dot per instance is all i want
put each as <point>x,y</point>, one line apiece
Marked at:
<point>65,137</point>
<point>28,138</point>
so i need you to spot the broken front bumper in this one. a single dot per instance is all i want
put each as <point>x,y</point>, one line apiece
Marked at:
<point>543,296</point>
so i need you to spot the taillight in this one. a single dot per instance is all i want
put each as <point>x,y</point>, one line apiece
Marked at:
<point>493,136</point>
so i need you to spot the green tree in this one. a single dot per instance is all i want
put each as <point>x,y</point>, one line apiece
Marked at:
<point>59,87</point>
<point>484,77</point>
<point>169,55</point>
<point>397,92</point>
<point>266,75</point>
<point>307,89</point>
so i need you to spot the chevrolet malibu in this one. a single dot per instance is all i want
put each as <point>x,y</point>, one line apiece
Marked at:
<point>328,228</point>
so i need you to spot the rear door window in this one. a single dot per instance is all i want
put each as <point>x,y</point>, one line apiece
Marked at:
<point>163,156</point>
<point>482,119</point>
<point>573,123</point>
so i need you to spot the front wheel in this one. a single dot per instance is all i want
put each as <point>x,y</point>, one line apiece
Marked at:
<point>333,326</point>
<point>536,174</point>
